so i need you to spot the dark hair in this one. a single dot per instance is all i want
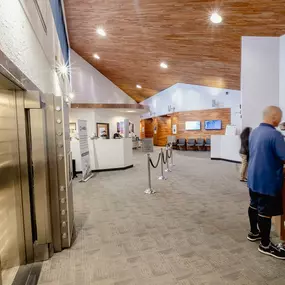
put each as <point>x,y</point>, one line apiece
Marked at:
<point>245,133</point>
<point>244,137</point>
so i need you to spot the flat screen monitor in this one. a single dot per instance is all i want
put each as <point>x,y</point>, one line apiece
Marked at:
<point>192,125</point>
<point>213,125</point>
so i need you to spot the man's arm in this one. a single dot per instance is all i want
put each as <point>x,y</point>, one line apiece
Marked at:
<point>280,147</point>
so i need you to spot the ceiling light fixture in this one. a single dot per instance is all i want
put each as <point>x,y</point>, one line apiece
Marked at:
<point>163,65</point>
<point>96,56</point>
<point>62,69</point>
<point>139,86</point>
<point>101,32</point>
<point>216,18</point>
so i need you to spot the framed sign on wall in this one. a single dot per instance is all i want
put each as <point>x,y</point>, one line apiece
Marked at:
<point>174,129</point>
<point>155,130</point>
<point>103,130</point>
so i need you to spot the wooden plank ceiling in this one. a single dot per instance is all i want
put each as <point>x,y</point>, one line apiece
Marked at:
<point>142,33</point>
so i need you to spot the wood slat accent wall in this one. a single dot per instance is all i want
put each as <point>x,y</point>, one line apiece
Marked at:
<point>164,124</point>
<point>163,130</point>
<point>148,128</point>
<point>142,129</point>
<point>201,115</point>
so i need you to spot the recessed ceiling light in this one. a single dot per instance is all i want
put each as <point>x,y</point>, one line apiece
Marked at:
<point>216,18</point>
<point>131,111</point>
<point>163,65</point>
<point>139,86</point>
<point>101,32</point>
<point>96,56</point>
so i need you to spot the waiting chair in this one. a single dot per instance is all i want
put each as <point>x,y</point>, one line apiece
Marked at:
<point>191,143</point>
<point>200,144</point>
<point>174,144</point>
<point>181,143</point>
<point>208,144</point>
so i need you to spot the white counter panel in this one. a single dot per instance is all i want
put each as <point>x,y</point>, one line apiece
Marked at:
<point>113,153</point>
<point>225,147</point>
<point>105,153</point>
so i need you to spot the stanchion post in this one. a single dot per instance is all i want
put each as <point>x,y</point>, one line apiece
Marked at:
<point>149,190</point>
<point>172,163</point>
<point>167,163</point>
<point>162,177</point>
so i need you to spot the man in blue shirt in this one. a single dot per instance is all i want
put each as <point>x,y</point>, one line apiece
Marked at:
<point>265,180</point>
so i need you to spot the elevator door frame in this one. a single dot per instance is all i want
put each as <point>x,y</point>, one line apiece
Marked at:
<point>8,87</point>
<point>27,251</point>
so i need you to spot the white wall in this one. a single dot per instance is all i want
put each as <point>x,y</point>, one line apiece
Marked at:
<point>104,116</point>
<point>24,41</point>
<point>187,97</point>
<point>259,77</point>
<point>100,116</point>
<point>90,86</point>
<point>282,75</point>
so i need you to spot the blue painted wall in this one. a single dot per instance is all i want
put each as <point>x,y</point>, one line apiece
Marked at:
<point>60,27</point>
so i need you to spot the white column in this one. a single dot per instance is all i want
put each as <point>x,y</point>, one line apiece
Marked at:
<point>282,75</point>
<point>259,77</point>
<point>126,128</point>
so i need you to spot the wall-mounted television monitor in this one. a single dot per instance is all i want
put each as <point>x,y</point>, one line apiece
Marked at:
<point>213,125</point>
<point>192,125</point>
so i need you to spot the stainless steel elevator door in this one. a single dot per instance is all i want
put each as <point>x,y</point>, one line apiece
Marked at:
<point>12,252</point>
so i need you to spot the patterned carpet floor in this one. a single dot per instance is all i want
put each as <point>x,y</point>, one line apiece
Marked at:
<point>191,232</point>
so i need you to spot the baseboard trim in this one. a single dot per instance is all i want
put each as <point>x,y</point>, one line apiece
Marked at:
<point>227,160</point>
<point>109,169</point>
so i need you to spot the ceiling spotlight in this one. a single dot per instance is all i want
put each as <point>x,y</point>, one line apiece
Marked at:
<point>216,18</point>
<point>101,32</point>
<point>96,56</point>
<point>62,69</point>
<point>71,95</point>
<point>163,65</point>
<point>139,86</point>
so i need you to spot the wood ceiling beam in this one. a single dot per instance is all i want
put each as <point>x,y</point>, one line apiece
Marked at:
<point>108,106</point>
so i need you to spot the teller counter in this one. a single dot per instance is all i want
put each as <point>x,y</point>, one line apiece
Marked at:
<point>225,147</point>
<point>106,154</point>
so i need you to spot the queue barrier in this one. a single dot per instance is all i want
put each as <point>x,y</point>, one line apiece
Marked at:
<point>163,158</point>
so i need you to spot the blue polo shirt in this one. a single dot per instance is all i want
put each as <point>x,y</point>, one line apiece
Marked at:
<point>266,156</point>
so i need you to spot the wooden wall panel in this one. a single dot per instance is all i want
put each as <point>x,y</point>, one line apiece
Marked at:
<point>108,106</point>
<point>148,131</point>
<point>142,129</point>
<point>201,115</point>
<point>164,124</point>
<point>155,130</point>
<point>163,130</point>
